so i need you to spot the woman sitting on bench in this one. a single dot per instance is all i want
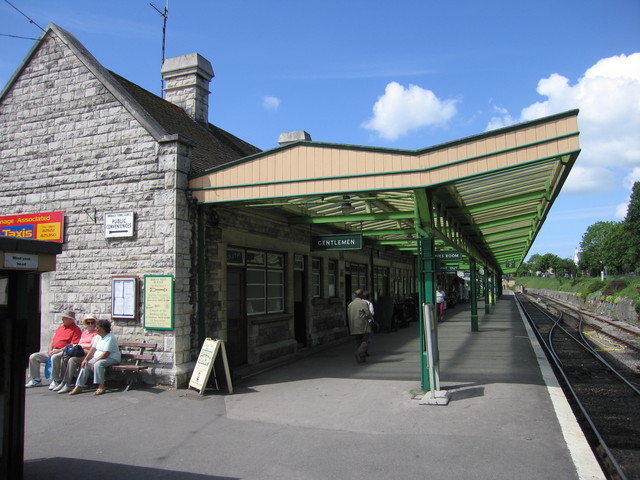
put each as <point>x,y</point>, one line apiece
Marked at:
<point>104,352</point>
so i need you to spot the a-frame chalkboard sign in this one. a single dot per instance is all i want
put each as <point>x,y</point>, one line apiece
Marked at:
<point>204,365</point>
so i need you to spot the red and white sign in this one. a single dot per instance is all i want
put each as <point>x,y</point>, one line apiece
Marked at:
<point>47,226</point>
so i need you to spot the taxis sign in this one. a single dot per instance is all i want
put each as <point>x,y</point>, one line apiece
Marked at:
<point>47,226</point>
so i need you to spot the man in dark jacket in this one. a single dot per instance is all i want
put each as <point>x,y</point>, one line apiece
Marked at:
<point>359,314</point>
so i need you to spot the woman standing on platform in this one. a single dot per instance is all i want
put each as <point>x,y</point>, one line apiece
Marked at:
<point>440,302</point>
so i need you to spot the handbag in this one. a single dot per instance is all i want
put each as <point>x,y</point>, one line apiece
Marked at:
<point>47,368</point>
<point>73,350</point>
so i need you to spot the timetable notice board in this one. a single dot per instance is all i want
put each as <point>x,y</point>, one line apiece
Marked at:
<point>158,302</point>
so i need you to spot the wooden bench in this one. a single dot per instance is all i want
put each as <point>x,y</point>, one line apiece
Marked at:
<point>135,358</point>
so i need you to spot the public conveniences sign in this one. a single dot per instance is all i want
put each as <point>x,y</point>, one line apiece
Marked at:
<point>46,226</point>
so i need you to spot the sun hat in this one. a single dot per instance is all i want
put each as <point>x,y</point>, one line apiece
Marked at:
<point>69,314</point>
<point>89,316</point>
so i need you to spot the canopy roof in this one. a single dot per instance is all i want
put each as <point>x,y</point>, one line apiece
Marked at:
<point>485,196</point>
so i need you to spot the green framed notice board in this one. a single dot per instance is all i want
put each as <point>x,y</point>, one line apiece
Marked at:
<point>158,302</point>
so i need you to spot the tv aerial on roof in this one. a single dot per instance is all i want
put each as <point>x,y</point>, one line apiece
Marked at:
<point>164,14</point>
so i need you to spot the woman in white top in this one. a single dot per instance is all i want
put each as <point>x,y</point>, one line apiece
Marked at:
<point>103,353</point>
<point>440,302</point>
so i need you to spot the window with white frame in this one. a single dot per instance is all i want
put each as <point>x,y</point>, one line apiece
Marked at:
<point>265,282</point>
<point>331,278</point>
<point>358,277</point>
<point>380,279</point>
<point>316,277</point>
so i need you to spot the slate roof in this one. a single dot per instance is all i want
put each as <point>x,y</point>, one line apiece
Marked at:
<point>162,119</point>
<point>214,146</point>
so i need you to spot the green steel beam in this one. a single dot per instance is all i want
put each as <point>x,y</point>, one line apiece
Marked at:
<point>397,231</point>
<point>506,221</point>
<point>361,217</point>
<point>512,242</point>
<point>505,233</point>
<point>393,242</point>
<point>502,202</point>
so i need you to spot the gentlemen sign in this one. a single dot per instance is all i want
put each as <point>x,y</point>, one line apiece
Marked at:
<point>336,242</point>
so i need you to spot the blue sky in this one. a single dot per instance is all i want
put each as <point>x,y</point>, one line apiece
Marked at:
<point>406,74</point>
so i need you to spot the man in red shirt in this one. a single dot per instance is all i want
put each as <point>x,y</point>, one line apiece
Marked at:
<point>66,333</point>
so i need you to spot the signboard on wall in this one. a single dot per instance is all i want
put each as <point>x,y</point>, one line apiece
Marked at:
<point>47,226</point>
<point>336,242</point>
<point>124,297</point>
<point>158,302</point>
<point>21,260</point>
<point>118,225</point>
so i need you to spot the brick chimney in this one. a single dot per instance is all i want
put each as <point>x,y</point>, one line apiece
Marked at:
<point>187,84</point>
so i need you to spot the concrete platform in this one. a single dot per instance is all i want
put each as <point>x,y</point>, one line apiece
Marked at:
<point>326,417</point>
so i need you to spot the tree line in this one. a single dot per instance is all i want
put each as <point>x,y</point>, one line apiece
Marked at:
<point>610,246</point>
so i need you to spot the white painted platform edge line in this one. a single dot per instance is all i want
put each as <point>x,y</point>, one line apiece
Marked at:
<point>584,460</point>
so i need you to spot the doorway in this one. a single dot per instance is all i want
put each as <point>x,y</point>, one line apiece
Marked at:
<point>236,347</point>
<point>19,337</point>
<point>300,295</point>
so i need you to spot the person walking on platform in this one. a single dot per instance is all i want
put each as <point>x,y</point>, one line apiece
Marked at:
<point>366,296</point>
<point>440,305</point>
<point>359,314</point>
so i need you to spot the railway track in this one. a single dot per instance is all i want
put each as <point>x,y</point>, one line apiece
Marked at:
<point>604,394</point>
<point>617,340</point>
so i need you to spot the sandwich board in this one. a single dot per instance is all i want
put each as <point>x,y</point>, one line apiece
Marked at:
<point>204,365</point>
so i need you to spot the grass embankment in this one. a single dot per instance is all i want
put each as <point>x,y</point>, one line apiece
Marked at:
<point>611,290</point>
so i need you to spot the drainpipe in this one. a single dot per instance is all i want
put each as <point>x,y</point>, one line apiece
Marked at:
<point>201,259</point>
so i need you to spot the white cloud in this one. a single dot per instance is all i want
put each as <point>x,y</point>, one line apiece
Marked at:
<point>401,110</point>
<point>270,103</point>
<point>621,210</point>
<point>631,178</point>
<point>502,119</point>
<point>627,182</point>
<point>589,180</point>
<point>608,96</point>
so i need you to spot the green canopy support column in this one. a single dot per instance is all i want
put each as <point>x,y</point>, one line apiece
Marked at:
<point>473,295</point>
<point>487,292</point>
<point>492,279</point>
<point>427,294</point>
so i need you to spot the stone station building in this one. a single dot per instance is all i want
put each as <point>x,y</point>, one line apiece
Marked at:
<point>235,229</point>
<point>79,139</point>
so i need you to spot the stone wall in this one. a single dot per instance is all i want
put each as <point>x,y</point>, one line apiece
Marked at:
<point>623,310</point>
<point>273,336</point>
<point>67,144</point>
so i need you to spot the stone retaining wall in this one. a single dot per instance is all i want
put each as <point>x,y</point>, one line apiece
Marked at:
<point>624,310</point>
